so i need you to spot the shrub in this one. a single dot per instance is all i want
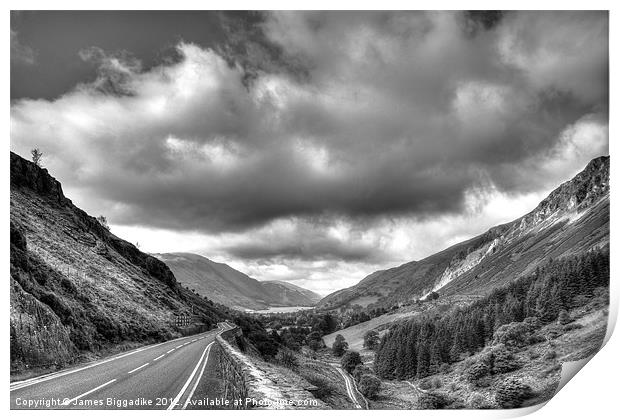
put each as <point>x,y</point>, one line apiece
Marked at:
<point>324,387</point>
<point>477,371</point>
<point>478,401</point>
<point>515,334</point>
<point>503,360</point>
<point>287,359</point>
<point>550,355</point>
<point>511,393</point>
<point>532,323</point>
<point>433,401</point>
<point>314,341</point>
<point>553,332</point>
<point>350,360</point>
<point>426,384</point>
<point>571,327</point>
<point>361,370</point>
<point>369,386</point>
<point>371,339</point>
<point>564,317</point>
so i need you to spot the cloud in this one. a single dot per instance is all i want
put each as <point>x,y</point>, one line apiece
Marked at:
<point>21,53</point>
<point>358,121</point>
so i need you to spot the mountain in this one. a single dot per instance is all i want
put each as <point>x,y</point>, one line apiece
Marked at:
<point>77,290</point>
<point>290,295</point>
<point>572,219</point>
<point>225,285</point>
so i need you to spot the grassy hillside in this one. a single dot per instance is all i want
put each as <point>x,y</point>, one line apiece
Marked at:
<point>227,286</point>
<point>77,290</point>
<point>287,294</point>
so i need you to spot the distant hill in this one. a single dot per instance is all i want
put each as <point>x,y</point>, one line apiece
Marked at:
<point>572,219</point>
<point>225,285</point>
<point>76,288</point>
<point>290,295</point>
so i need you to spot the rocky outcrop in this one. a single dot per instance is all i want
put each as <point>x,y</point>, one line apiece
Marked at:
<point>257,384</point>
<point>27,175</point>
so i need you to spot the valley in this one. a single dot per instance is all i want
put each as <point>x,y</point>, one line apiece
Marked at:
<point>486,323</point>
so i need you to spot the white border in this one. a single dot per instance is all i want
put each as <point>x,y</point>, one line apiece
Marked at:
<point>592,395</point>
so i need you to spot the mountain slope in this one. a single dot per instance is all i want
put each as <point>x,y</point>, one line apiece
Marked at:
<point>77,289</point>
<point>572,219</point>
<point>225,285</point>
<point>288,294</point>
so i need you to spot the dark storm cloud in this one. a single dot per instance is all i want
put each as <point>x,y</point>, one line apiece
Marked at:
<point>311,247</point>
<point>328,116</point>
<point>21,54</point>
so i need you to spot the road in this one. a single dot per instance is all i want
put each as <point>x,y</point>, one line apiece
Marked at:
<point>159,376</point>
<point>351,388</point>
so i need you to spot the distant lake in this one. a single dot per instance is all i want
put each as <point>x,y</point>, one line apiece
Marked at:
<point>280,309</point>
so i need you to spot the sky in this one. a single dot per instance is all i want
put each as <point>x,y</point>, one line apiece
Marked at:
<point>310,147</point>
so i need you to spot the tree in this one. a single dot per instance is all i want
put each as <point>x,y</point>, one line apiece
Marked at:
<point>371,339</point>
<point>369,386</point>
<point>433,296</point>
<point>103,222</point>
<point>314,340</point>
<point>350,360</point>
<point>37,157</point>
<point>339,346</point>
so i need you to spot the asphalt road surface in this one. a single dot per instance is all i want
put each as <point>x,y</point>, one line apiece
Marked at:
<point>163,376</point>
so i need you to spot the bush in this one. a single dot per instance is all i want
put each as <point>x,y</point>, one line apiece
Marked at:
<point>477,371</point>
<point>571,327</point>
<point>287,359</point>
<point>554,331</point>
<point>503,360</point>
<point>361,370</point>
<point>515,334</point>
<point>314,341</point>
<point>371,339</point>
<point>433,401</point>
<point>479,402</point>
<point>550,355</point>
<point>350,360</point>
<point>511,393</point>
<point>369,386</point>
<point>324,387</point>
<point>564,317</point>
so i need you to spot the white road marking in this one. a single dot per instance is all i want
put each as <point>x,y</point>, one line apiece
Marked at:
<point>43,378</point>
<point>178,347</point>
<point>86,393</point>
<point>187,342</point>
<point>159,357</point>
<point>189,380</point>
<point>170,351</point>
<point>138,368</point>
<point>202,371</point>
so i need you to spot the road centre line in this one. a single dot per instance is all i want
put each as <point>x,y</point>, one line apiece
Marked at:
<point>138,368</point>
<point>87,392</point>
<point>159,357</point>
<point>43,378</point>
